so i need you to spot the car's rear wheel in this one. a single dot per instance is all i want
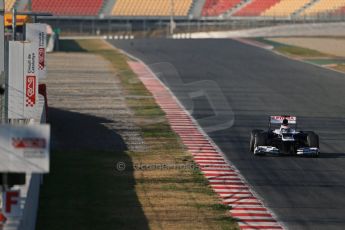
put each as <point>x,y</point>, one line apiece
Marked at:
<point>252,138</point>
<point>260,140</point>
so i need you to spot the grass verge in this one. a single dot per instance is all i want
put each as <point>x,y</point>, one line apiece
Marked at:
<point>159,189</point>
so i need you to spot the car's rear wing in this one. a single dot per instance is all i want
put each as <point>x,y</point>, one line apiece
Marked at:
<point>279,119</point>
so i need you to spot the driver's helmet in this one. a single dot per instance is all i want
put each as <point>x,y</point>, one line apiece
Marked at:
<point>285,122</point>
<point>285,126</point>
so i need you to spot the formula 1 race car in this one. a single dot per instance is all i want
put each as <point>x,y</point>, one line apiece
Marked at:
<point>284,139</point>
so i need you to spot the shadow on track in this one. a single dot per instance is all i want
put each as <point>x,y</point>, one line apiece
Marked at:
<point>84,190</point>
<point>332,155</point>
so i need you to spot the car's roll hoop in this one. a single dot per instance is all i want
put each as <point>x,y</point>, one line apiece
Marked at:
<point>280,119</point>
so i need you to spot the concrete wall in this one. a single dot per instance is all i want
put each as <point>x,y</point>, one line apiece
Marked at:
<point>309,29</point>
<point>28,221</point>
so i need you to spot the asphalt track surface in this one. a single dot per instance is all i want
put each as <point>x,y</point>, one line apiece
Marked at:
<point>231,88</point>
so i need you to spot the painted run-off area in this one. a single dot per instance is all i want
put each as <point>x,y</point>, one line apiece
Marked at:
<point>330,46</point>
<point>328,52</point>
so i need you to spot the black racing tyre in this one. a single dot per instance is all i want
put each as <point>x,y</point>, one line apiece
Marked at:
<point>260,140</point>
<point>312,140</point>
<point>252,138</point>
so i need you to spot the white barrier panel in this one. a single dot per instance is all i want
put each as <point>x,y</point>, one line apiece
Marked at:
<point>50,39</point>
<point>15,81</point>
<point>30,80</point>
<point>23,82</point>
<point>117,37</point>
<point>24,148</point>
<point>37,35</point>
<point>39,115</point>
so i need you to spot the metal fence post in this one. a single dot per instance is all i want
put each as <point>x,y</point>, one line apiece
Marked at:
<point>109,27</point>
<point>2,63</point>
<point>2,83</point>
<point>93,26</point>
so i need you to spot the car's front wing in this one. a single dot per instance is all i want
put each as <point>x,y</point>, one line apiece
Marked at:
<point>306,151</point>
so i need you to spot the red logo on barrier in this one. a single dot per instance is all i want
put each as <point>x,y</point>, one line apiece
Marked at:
<point>30,91</point>
<point>11,204</point>
<point>41,58</point>
<point>11,199</point>
<point>2,218</point>
<point>34,143</point>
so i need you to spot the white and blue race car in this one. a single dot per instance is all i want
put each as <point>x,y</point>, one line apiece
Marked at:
<point>284,139</point>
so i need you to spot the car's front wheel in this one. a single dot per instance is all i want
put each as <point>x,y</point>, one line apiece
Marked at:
<point>312,140</point>
<point>260,140</point>
<point>252,138</point>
